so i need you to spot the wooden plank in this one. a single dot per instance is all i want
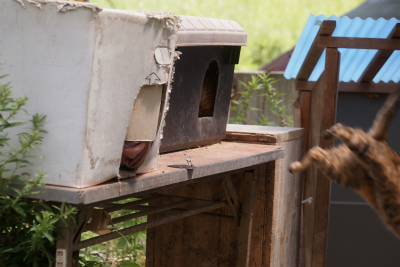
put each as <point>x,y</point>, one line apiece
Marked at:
<point>310,180</point>
<point>305,102</point>
<point>323,183</point>
<point>380,58</point>
<point>270,135</point>
<point>150,211</point>
<point>203,241</point>
<point>278,199</point>
<point>359,43</point>
<point>231,198</point>
<point>145,226</point>
<point>352,87</point>
<point>285,238</point>
<point>210,160</point>
<point>246,220</point>
<point>315,52</point>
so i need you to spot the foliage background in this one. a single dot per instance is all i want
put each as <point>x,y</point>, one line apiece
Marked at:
<point>273,26</point>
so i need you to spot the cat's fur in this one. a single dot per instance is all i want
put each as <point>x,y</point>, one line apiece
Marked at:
<point>364,163</point>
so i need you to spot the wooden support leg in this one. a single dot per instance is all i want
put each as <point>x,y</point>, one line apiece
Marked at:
<point>64,246</point>
<point>246,220</point>
<point>70,235</point>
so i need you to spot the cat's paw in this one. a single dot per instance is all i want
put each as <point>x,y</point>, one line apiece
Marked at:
<point>295,167</point>
<point>328,134</point>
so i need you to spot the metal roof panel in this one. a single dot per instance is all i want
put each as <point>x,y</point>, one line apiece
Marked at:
<point>353,62</point>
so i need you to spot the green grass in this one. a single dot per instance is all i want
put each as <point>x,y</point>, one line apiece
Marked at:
<point>273,26</point>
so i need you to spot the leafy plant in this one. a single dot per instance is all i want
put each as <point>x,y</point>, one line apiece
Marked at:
<point>270,97</point>
<point>242,105</point>
<point>27,227</point>
<point>126,251</point>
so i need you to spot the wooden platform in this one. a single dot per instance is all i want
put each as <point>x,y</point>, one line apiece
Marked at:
<point>208,161</point>
<point>236,207</point>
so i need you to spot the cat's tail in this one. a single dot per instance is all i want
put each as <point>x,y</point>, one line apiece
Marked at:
<point>380,127</point>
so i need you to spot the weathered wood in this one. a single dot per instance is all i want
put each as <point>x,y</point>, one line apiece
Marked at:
<point>277,200</point>
<point>246,220</point>
<point>380,58</point>
<point>130,205</point>
<point>352,87</point>
<point>305,111</point>
<point>209,161</point>
<point>231,198</point>
<point>359,43</point>
<point>145,226</point>
<point>199,240</point>
<point>315,52</point>
<point>64,245</point>
<point>313,123</point>
<point>323,183</point>
<point>204,214</point>
<point>150,211</point>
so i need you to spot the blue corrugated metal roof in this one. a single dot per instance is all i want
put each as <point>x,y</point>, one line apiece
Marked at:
<point>353,62</point>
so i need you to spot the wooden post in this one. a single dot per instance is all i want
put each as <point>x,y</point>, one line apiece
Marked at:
<point>246,220</point>
<point>313,124</point>
<point>64,244</point>
<point>321,212</point>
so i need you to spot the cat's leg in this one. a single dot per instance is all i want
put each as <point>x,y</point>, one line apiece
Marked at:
<point>315,155</point>
<point>355,139</point>
<point>338,164</point>
<point>377,157</point>
<point>389,209</point>
<point>380,127</point>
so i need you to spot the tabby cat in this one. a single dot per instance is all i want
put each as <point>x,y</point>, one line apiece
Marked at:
<point>364,163</point>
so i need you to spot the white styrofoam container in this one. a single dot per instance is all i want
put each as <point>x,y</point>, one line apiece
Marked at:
<point>199,31</point>
<point>83,67</point>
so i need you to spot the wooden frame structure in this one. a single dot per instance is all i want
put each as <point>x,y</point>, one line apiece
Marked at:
<point>316,112</point>
<point>236,167</point>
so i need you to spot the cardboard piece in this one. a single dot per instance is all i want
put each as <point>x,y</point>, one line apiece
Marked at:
<point>146,113</point>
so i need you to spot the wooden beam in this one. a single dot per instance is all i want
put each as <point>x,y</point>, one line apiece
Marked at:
<point>332,65</point>
<point>359,43</point>
<point>231,198</point>
<point>150,211</point>
<point>380,58</point>
<point>352,87</point>
<point>246,220</point>
<point>326,29</point>
<point>145,226</point>
<point>311,178</point>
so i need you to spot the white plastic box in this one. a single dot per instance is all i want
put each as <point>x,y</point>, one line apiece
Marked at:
<point>83,67</point>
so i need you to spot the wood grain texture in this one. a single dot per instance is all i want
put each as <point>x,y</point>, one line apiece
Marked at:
<point>215,242</point>
<point>209,161</point>
<point>280,199</point>
<point>315,52</point>
<point>323,184</point>
<point>352,87</point>
<point>358,43</point>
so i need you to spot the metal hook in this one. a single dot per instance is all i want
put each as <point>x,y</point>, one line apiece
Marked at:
<point>189,165</point>
<point>188,159</point>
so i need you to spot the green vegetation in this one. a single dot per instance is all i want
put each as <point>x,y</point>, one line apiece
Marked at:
<point>27,227</point>
<point>273,26</point>
<point>263,85</point>
<point>127,251</point>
